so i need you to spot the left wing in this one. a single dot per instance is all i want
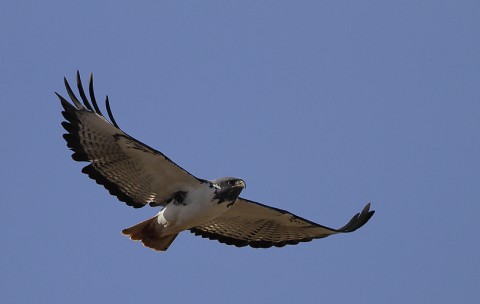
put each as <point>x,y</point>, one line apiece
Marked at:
<point>248,223</point>
<point>132,171</point>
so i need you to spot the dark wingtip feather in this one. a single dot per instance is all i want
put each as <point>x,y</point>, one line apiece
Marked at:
<point>82,92</point>
<point>109,112</point>
<point>66,105</point>
<point>86,104</point>
<point>92,95</point>
<point>60,97</point>
<point>74,98</point>
<point>358,220</point>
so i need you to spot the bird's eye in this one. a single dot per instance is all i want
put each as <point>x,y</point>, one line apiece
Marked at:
<point>231,182</point>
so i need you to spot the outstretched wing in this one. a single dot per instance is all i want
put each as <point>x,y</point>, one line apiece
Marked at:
<point>260,226</point>
<point>132,171</point>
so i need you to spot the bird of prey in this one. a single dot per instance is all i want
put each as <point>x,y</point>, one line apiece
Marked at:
<point>140,175</point>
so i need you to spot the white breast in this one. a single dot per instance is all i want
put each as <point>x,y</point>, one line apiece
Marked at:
<point>198,207</point>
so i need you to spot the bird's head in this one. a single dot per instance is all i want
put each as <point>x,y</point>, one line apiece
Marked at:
<point>227,189</point>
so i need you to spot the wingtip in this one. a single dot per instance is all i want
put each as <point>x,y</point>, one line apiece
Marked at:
<point>109,112</point>
<point>358,220</point>
<point>64,103</point>
<point>92,95</point>
<point>79,79</point>
<point>367,210</point>
<point>364,216</point>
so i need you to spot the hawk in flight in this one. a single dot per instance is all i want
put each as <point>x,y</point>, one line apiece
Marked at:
<point>140,175</point>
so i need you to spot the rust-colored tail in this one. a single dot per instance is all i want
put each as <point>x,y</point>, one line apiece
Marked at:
<point>149,233</point>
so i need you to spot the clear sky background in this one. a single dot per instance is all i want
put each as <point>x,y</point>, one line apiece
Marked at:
<point>320,106</point>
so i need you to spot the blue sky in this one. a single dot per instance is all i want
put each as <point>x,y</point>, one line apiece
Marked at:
<point>320,106</point>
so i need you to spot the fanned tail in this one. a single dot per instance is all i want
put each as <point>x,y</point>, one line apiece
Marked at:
<point>149,233</point>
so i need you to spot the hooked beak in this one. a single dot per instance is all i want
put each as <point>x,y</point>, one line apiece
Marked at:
<point>240,183</point>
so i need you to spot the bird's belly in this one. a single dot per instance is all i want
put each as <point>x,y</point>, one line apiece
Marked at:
<point>182,217</point>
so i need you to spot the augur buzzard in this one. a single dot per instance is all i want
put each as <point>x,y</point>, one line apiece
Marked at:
<point>140,175</point>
